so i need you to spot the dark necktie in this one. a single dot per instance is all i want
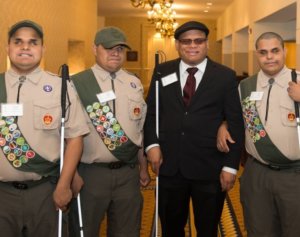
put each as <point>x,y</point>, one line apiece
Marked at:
<point>190,86</point>
<point>271,81</point>
<point>21,81</point>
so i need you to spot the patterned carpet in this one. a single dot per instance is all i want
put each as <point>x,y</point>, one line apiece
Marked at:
<point>231,225</point>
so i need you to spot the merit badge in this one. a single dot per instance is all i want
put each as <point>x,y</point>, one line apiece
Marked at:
<point>2,141</point>
<point>291,116</point>
<point>133,85</point>
<point>48,119</point>
<point>136,111</point>
<point>47,88</point>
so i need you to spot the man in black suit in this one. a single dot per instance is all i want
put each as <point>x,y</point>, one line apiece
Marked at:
<point>192,105</point>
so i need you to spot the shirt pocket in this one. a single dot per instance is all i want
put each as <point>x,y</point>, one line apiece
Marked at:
<point>287,112</point>
<point>47,114</point>
<point>137,107</point>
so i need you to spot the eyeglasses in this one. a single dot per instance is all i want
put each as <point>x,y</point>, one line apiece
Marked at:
<point>197,41</point>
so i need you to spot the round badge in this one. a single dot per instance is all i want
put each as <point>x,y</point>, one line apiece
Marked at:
<point>110,131</point>
<point>30,154</point>
<point>18,152</point>
<point>17,163</point>
<point>103,135</point>
<point>118,143</point>
<point>120,133</point>
<point>106,125</point>
<point>100,128</point>
<point>4,131</point>
<point>24,148</point>
<point>96,122</point>
<point>107,141</point>
<point>47,88</point>
<point>16,133</point>
<point>23,159</point>
<point>96,105</point>
<point>89,108</point>
<point>105,109</point>
<point>116,127</point>
<point>99,112</point>
<point>12,145</point>
<point>262,133</point>
<point>11,156</point>
<point>10,120</point>
<point>6,150</point>
<point>92,115</point>
<point>123,139</point>
<point>2,123</point>
<point>111,147</point>
<point>2,141</point>
<point>113,138</point>
<point>291,116</point>
<point>112,121</point>
<point>102,118</point>
<point>109,115</point>
<point>8,137</point>
<point>20,141</point>
<point>12,127</point>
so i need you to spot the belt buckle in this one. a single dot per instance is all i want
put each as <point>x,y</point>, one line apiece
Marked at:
<point>274,167</point>
<point>19,185</point>
<point>115,165</point>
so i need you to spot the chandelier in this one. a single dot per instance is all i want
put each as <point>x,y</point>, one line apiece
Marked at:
<point>161,14</point>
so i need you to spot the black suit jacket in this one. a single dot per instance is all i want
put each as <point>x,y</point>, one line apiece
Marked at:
<point>187,136</point>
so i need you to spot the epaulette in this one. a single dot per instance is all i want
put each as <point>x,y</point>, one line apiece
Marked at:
<point>131,73</point>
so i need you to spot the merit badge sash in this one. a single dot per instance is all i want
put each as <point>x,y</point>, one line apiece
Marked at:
<point>15,147</point>
<point>263,144</point>
<point>103,119</point>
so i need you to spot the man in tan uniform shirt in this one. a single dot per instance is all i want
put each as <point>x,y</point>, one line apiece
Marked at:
<point>115,109</point>
<point>270,190</point>
<point>30,194</point>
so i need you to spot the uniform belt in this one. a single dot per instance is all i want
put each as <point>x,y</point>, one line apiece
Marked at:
<point>23,185</point>
<point>114,165</point>
<point>278,168</point>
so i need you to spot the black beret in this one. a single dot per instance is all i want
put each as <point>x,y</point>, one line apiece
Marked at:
<point>191,25</point>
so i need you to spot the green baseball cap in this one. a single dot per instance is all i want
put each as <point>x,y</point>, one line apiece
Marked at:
<point>110,37</point>
<point>26,23</point>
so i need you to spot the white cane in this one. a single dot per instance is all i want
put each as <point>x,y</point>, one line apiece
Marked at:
<point>294,79</point>
<point>157,134</point>
<point>62,133</point>
<point>80,215</point>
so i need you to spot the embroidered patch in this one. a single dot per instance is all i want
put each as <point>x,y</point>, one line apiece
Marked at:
<point>252,120</point>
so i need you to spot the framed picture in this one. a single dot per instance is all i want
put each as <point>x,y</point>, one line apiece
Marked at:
<point>132,56</point>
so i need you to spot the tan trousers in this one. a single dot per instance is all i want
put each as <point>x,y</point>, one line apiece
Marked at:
<point>271,201</point>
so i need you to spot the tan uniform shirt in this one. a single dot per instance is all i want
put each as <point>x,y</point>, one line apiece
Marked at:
<point>281,130</point>
<point>40,124</point>
<point>129,96</point>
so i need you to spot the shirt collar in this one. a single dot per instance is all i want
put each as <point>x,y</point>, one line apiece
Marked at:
<point>201,66</point>
<point>33,77</point>
<point>278,78</point>
<point>103,74</point>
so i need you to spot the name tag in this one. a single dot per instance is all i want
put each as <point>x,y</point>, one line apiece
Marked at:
<point>106,96</point>
<point>256,95</point>
<point>11,109</point>
<point>167,80</point>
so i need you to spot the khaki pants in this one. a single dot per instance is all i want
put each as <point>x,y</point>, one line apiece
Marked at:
<point>271,201</point>
<point>115,192</point>
<point>28,212</point>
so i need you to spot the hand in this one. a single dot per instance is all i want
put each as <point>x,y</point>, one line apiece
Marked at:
<point>144,177</point>
<point>227,180</point>
<point>76,184</point>
<point>62,196</point>
<point>294,91</point>
<point>222,137</point>
<point>154,156</point>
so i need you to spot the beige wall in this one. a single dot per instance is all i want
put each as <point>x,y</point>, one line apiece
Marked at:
<point>62,21</point>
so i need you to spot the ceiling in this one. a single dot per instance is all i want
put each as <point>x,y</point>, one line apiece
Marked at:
<point>183,8</point>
